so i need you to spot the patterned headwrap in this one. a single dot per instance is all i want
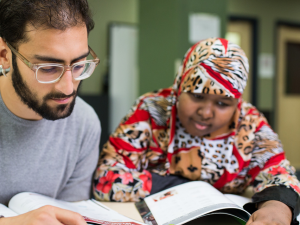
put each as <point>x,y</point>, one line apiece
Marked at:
<point>213,66</point>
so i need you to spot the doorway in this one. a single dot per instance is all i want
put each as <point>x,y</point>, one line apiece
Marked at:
<point>287,113</point>
<point>242,31</point>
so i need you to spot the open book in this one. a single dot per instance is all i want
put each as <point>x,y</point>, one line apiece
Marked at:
<point>193,203</point>
<point>93,211</point>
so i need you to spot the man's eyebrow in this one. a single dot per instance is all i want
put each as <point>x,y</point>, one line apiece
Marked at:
<point>56,60</point>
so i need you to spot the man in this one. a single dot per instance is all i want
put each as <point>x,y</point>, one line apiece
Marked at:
<point>49,138</point>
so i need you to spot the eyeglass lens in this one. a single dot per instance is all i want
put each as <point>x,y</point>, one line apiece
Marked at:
<point>80,71</point>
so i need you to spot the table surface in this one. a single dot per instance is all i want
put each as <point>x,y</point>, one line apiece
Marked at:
<point>127,209</point>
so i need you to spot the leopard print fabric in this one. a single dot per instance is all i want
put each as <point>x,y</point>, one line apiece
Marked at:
<point>151,139</point>
<point>251,155</point>
<point>213,66</point>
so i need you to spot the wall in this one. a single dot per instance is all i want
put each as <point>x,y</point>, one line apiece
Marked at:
<point>164,36</point>
<point>267,12</point>
<point>105,12</point>
<point>164,29</point>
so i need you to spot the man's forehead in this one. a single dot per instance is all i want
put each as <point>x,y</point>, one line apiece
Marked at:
<point>31,30</point>
<point>49,42</point>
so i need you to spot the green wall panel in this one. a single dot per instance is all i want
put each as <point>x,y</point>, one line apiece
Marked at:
<point>163,36</point>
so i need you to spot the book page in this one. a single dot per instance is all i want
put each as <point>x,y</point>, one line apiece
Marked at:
<point>185,199</point>
<point>237,199</point>
<point>92,212</point>
<point>4,211</point>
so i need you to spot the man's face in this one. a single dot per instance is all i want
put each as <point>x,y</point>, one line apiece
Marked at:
<point>51,101</point>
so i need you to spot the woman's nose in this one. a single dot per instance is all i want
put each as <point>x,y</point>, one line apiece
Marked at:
<point>206,111</point>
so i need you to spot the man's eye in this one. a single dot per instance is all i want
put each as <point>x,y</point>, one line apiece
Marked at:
<point>49,69</point>
<point>78,67</point>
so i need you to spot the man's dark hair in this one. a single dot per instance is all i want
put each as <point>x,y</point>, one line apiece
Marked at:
<point>15,15</point>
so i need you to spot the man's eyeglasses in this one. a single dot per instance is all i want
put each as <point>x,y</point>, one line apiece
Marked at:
<point>51,72</point>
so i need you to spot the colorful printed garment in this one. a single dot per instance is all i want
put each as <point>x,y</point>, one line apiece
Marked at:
<point>151,140</point>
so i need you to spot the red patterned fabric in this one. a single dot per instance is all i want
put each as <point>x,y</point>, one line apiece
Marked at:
<point>251,155</point>
<point>151,138</point>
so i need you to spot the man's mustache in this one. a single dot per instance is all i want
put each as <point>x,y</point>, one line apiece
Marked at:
<point>59,95</point>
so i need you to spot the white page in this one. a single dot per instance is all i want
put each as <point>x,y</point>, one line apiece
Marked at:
<point>25,202</point>
<point>237,199</point>
<point>4,211</point>
<point>183,199</point>
<point>298,217</point>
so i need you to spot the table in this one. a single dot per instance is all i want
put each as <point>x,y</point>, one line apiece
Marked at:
<point>127,209</point>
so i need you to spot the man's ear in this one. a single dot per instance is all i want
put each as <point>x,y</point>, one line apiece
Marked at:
<point>4,54</point>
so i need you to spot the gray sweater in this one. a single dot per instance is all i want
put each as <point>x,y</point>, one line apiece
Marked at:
<point>54,158</point>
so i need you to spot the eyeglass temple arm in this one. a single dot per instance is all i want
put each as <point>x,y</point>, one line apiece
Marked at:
<point>18,54</point>
<point>94,55</point>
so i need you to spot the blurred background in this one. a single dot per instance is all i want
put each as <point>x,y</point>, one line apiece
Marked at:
<point>141,44</point>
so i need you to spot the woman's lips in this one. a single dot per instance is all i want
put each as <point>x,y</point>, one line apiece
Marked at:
<point>201,126</point>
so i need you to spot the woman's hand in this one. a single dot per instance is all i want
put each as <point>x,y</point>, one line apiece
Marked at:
<point>271,212</point>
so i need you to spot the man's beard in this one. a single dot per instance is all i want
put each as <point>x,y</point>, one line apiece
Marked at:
<point>30,99</point>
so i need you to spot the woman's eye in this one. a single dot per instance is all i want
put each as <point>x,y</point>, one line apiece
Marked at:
<point>222,104</point>
<point>197,96</point>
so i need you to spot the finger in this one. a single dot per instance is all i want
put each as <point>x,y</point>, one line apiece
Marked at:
<point>39,216</point>
<point>250,220</point>
<point>67,217</point>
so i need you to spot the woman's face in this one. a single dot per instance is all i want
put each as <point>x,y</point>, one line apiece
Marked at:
<point>202,114</point>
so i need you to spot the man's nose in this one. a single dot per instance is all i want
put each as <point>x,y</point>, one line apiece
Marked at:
<point>206,110</point>
<point>65,84</point>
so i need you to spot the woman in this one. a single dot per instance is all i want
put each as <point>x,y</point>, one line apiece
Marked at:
<point>201,129</point>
